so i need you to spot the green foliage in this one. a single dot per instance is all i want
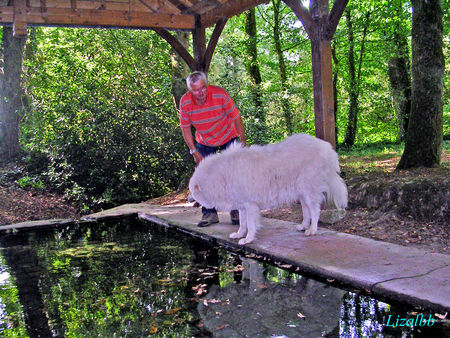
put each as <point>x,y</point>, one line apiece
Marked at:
<point>102,115</point>
<point>28,182</point>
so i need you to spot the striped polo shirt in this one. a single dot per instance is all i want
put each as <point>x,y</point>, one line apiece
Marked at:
<point>214,120</point>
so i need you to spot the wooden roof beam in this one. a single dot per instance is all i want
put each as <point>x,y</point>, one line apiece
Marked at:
<point>94,18</point>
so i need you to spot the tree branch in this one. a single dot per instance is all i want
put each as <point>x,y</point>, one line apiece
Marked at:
<point>303,15</point>
<point>334,17</point>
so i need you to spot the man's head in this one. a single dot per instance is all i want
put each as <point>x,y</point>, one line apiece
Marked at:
<point>197,84</point>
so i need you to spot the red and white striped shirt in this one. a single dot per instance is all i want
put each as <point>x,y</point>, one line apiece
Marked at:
<point>214,120</point>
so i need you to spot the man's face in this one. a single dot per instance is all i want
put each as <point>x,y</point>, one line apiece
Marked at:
<point>200,91</point>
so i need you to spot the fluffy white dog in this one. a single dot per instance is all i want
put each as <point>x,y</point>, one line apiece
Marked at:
<point>300,168</point>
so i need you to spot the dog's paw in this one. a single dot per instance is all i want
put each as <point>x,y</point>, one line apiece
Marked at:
<point>236,235</point>
<point>301,227</point>
<point>310,232</point>
<point>244,241</point>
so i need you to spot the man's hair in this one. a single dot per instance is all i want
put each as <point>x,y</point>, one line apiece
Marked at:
<point>196,77</point>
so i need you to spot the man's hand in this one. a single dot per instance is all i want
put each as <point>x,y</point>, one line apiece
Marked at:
<point>197,157</point>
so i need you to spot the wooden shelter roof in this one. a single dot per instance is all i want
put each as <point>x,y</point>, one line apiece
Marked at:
<point>144,14</point>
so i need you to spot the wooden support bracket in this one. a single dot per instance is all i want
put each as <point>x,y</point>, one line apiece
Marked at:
<point>177,45</point>
<point>202,54</point>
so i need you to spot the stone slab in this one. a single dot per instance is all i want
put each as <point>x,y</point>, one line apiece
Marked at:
<point>415,276</point>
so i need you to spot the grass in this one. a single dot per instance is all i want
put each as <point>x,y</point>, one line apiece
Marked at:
<point>381,158</point>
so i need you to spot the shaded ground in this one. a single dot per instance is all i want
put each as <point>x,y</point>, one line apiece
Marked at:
<point>367,215</point>
<point>28,204</point>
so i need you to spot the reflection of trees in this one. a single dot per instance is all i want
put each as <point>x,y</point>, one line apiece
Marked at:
<point>102,280</point>
<point>362,316</point>
<point>122,281</point>
<point>260,307</point>
<point>26,271</point>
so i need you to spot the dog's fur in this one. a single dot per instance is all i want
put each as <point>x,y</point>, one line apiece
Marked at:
<point>301,168</point>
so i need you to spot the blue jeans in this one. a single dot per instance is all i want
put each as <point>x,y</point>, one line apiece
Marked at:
<point>206,151</point>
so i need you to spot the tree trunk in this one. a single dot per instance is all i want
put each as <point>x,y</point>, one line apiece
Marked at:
<point>180,70</point>
<point>252,65</point>
<point>424,137</point>
<point>400,79</point>
<point>11,94</point>
<point>281,66</point>
<point>353,91</point>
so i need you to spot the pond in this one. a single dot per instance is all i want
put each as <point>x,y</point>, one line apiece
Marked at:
<point>134,279</point>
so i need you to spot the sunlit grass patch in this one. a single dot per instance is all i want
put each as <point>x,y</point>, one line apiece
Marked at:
<point>380,158</point>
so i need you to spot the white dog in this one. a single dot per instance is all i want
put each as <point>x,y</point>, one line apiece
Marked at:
<point>300,168</point>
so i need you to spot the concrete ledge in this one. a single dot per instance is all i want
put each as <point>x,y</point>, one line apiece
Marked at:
<point>389,271</point>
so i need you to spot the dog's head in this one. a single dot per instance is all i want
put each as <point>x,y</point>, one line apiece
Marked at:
<point>197,194</point>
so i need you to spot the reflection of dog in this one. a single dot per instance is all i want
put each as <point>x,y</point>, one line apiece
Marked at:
<point>301,168</point>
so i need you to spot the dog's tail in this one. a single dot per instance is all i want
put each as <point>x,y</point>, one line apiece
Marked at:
<point>337,192</point>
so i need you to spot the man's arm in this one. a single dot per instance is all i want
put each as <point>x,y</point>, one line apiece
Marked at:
<point>239,125</point>
<point>188,138</point>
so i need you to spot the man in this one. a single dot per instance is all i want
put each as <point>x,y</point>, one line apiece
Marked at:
<point>217,122</point>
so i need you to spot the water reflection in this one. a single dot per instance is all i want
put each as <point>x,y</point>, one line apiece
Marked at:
<point>131,279</point>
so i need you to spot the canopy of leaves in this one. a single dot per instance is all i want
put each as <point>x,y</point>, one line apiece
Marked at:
<point>101,110</point>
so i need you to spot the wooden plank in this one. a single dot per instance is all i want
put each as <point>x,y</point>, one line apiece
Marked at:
<point>101,18</point>
<point>151,6</point>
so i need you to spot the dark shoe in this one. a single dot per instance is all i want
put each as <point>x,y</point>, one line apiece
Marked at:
<point>234,215</point>
<point>208,219</point>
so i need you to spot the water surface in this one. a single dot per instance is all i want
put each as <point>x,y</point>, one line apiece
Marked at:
<point>133,279</point>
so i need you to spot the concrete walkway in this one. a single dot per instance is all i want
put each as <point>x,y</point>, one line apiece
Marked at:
<point>386,270</point>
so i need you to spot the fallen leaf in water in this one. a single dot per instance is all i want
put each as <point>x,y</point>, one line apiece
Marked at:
<point>441,316</point>
<point>286,266</point>
<point>172,311</point>
<point>222,327</point>
<point>214,301</point>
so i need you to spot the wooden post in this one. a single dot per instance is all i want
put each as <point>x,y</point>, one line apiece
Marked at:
<point>19,21</point>
<point>199,44</point>
<point>320,25</point>
<point>322,75</point>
